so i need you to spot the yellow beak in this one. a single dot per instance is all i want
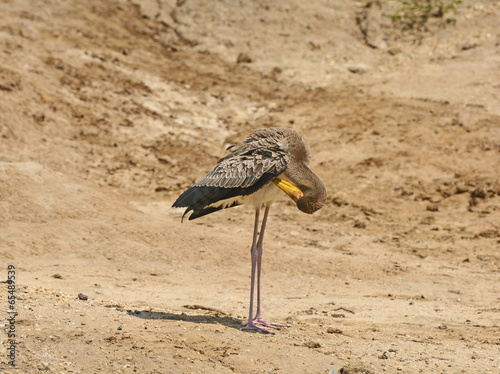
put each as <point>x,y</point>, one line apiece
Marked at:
<point>290,189</point>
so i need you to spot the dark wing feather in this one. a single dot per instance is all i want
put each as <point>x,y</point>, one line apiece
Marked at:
<point>251,165</point>
<point>203,212</point>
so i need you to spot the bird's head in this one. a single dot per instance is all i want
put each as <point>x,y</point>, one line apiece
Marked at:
<point>308,200</point>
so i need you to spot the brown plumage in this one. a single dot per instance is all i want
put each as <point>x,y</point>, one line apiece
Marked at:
<point>250,174</point>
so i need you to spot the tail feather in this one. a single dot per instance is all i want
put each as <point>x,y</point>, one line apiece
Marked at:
<point>198,197</point>
<point>203,212</point>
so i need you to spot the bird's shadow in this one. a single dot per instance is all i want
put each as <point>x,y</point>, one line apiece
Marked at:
<point>228,321</point>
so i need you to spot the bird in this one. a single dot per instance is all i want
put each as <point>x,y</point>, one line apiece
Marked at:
<point>256,172</point>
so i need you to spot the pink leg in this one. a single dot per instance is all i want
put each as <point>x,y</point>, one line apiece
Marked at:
<point>258,316</point>
<point>250,324</point>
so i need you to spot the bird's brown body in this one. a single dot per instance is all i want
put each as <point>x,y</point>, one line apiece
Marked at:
<point>256,172</point>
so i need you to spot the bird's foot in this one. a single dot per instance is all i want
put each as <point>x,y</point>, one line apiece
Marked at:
<point>253,327</point>
<point>267,324</point>
<point>262,322</point>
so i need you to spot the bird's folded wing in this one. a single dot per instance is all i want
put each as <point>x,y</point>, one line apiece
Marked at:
<point>244,171</point>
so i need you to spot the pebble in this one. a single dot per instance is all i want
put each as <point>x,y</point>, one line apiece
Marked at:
<point>432,208</point>
<point>478,192</point>
<point>359,369</point>
<point>243,58</point>
<point>383,356</point>
<point>357,69</point>
<point>338,315</point>
<point>333,330</point>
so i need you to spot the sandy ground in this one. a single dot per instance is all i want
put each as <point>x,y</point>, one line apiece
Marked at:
<point>110,109</point>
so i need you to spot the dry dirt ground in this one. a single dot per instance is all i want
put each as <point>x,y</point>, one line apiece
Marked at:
<point>109,109</point>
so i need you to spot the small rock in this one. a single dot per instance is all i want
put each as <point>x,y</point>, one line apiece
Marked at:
<point>333,330</point>
<point>338,315</point>
<point>427,220</point>
<point>469,45</point>
<point>358,369</point>
<point>81,296</point>
<point>243,58</point>
<point>432,208</point>
<point>357,69</point>
<point>57,276</point>
<point>383,356</point>
<point>442,327</point>
<point>359,224</point>
<point>478,192</point>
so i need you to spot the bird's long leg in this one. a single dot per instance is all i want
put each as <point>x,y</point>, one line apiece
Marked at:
<point>258,316</point>
<point>260,249</point>
<point>250,324</point>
